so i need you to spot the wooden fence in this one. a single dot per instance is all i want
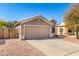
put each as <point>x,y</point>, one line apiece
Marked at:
<point>8,33</point>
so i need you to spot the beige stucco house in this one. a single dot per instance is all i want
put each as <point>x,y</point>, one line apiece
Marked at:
<point>36,27</point>
<point>61,27</point>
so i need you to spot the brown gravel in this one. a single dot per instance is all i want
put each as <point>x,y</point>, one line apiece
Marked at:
<point>72,39</point>
<point>16,47</point>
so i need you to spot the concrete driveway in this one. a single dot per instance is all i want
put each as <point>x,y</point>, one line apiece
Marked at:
<point>55,47</point>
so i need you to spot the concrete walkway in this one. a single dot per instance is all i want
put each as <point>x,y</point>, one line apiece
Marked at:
<point>55,47</point>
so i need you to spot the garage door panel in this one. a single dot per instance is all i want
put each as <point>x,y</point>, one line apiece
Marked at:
<point>37,32</point>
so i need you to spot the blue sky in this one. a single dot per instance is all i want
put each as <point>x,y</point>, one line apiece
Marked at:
<point>20,11</point>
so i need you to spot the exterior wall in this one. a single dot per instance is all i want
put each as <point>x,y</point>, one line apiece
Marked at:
<point>21,35</point>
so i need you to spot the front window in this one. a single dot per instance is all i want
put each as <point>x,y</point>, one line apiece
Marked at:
<point>53,30</point>
<point>61,30</point>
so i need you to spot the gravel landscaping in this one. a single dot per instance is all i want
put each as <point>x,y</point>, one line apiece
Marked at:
<point>16,47</point>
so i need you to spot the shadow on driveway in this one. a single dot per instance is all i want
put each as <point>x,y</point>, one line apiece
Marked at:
<point>58,37</point>
<point>52,38</point>
<point>2,41</point>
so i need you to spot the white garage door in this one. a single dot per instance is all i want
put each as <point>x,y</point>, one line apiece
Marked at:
<point>33,32</point>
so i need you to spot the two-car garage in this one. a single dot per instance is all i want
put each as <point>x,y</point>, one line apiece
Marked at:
<point>34,32</point>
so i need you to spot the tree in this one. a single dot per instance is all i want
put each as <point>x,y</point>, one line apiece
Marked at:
<point>71,18</point>
<point>10,24</point>
<point>2,23</point>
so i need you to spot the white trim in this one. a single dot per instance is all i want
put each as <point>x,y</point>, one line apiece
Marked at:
<point>50,31</point>
<point>24,31</point>
<point>38,25</point>
<point>20,33</point>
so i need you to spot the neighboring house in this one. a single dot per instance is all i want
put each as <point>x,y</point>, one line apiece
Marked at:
<point>36,27</point>
<point>61,29</point>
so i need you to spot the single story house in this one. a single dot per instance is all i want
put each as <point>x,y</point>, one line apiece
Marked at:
<point>36,27</point>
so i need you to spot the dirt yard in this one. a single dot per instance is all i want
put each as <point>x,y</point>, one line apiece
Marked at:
<point>72,39</point>
<point>16,47</point>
